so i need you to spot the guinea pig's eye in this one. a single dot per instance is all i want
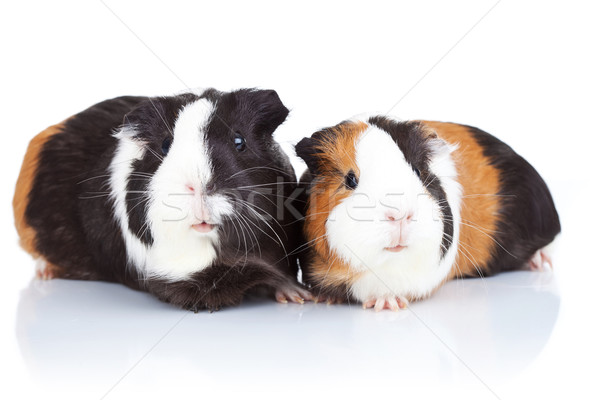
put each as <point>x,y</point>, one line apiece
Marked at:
<point>417,172</point>
<point>351,180</point>
<point>240,142</point>
<point>166,145</point>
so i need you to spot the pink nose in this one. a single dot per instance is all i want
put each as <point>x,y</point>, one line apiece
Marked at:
<point>397,216</point>
<point>400,222</point>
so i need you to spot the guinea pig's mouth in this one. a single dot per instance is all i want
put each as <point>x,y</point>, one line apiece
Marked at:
<point>395,249</point>
<point>203,227</point>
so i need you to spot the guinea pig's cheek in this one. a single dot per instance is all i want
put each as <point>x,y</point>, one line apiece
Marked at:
<point>352,237</point>
<point>164,215</point>
<point>426,232</point>
<point>360,208</point>
<point>220,207</point>
<point>428,219</point>
<point>174,206</point>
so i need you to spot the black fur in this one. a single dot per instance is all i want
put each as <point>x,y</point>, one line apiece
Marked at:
<point>68,206</point>
<point>217,286</point>
<point>528,217</point>
<point>71,211</point>
<point>308,149</point>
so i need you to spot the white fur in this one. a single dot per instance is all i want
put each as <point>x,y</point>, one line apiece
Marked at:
<point>442,165</point>
<point>128,150</point>
<point>358,230</point>
<point>177,250</point>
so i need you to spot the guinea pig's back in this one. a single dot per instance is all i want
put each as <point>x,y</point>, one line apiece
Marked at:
<point>507,210</point>
<point>47,193</point>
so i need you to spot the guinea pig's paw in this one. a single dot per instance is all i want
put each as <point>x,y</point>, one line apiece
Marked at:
<point>43,269</point>
<point>210,310</point>
<point>292,293</point>
<point>394,303</point>
<point>538,260</point>
<point>327,299</point>
<point>203,306</point>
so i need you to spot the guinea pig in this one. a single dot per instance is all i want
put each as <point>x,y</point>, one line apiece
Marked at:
<point>395,209</point>
<point>180,196</point>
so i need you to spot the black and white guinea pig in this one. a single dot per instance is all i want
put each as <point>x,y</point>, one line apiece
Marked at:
<point>395,209</point>
<point>179,196</point>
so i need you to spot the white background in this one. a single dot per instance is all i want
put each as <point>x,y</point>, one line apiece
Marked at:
<point>526,72</point>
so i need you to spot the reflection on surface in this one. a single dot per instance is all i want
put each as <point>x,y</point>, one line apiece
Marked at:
<point>95,332</point>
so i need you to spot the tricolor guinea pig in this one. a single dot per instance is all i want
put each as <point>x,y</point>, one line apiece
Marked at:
<point>179,196</point>
<point>395,209</point>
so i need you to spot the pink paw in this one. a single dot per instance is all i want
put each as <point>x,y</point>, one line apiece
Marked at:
<point>538,260</point>
<point>292,293</point>
<point>394,303</point>
<point>43,270</point>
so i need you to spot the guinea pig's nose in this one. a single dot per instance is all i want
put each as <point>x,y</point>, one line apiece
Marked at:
<point>397,216</point>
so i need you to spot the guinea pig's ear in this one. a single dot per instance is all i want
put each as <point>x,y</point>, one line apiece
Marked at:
<point>271,111</point>
<point>129,123</point>
<point>144,117</point>
<point>130,128</point>
<point>437,145</point>
<point>306,149</point>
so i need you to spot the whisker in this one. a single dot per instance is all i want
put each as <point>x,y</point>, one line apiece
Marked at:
<point>93,177</point>
<point>469,257</point>
<point>307,244</point>
<point>267,184</point>
<point>266,223</point>
<point>466,196</point>
<point>261,194</point>
<point>244,218</point>
<point>93,197</point>
<point>248,204</point>
<point>237,219</point>
<point>321,284</point>
<point>160,158</point>
<point>260,167</point>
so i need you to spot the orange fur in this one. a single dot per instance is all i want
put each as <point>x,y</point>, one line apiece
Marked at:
<point>27,234</point>
<point>480,205</point>
<point>338,158</point>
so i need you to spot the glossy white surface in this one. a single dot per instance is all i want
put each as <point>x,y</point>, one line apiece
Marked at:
<point>526,72</point>
<point>93,332</point>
